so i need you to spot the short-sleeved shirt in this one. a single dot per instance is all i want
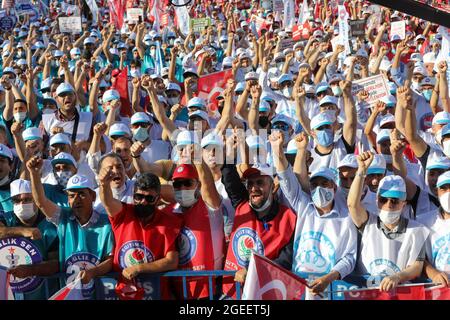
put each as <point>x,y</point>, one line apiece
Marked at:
<point>137,243</point>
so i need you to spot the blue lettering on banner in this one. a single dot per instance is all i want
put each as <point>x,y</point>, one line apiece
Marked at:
<point>105,288</point>
<point>20,251</point>
<point>314,254</point>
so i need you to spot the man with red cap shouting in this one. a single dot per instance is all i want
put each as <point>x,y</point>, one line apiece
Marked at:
<point>261,222</point>
<point>201,239</point>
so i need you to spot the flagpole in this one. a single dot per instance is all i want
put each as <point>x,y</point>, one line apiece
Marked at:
<point>378,288</point>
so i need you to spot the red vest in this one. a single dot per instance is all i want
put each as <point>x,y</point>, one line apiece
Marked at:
<point>196,250</point>
<point>249,234</point>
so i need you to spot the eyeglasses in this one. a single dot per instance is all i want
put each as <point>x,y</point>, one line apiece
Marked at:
<point>383,200</point>
<point>139,197</point>
<point>180,183</point>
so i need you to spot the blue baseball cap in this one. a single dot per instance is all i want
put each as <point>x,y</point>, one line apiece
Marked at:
<point>8,70</point>
<point>187,137</point>
<point>110,95</point>
<point>46,84</point>
<point>64,157</point>
<point>211,139</point>
<point>442,117</point>
<point>59,138</point>
<point>392,187</point>
<point>378,165</point>
<point>389,100</point>
<point>438,162</point>
<point>80,181</point>
<point>32,133</point>
<point>324,172</point>
<point>285,77</point>
<point>322,87</point>
<point>383,134</point>
<point>254,142</point>
<point>443,179</point>
<point>348,161</point>
<point>196,102</point>
<point>141,117</point>
<point>282,118</point>
<point>5,152</point>
<point>264,106</point>
<point>445,130</point>
<point>291,147</point>
<point>63,88</point>
<point>321,119</point>
<point>119,129</point>
<point>328,100</point>
<point>240,87</point>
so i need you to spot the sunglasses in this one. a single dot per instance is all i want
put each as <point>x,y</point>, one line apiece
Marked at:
<point>179,183</point>
<point>282,127</point>
<point>139,197</point>
<point>383,200</point>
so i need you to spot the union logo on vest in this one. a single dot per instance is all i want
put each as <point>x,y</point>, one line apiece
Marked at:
<point>187,244</point>
<point>20,251</point>
<point>246,240</point>
<point>134,252</point>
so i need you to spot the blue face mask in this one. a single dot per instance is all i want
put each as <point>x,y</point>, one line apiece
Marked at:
<point>325,137</point>
<point>427,94</point>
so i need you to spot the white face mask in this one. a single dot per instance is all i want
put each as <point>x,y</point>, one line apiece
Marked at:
<point>446,147</point>
<point>24,211</point>
<point>20,116</point>
<point>173,101</point>
<point>444,200</point>
<point>287,92</point>
<point>322,197</point>
<point>389,217</point>
<point>4,181</point>
<point>266,204</point>
<point>48,111</point>
<point>186,198</point>
<point>415,85</point>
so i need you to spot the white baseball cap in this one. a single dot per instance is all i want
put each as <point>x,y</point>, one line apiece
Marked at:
<point>32,133</point>
<point>64,157</point>
<point>80,181</point>
<point>5,152</point>
<point>392,186</point>
<point>59,138</point>
<point>20,186</point>
<point>378,165</point>
<point>348,161</point>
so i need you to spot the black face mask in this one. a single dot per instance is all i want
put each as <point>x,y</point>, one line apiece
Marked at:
<point>144,211</point>
<point>263,121</point>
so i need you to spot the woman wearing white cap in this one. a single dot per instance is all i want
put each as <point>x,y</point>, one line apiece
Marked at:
<point>28,223</point>
<point>392,247</point>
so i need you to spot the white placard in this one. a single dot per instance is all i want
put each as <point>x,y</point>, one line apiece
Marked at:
<point>133,14</point>
<point>376,86</point>
<point>70,24</point>
<point>398,28</point>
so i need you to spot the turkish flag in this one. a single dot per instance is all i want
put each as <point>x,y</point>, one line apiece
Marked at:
<point>72,291</point>
<point>121,85</point>
<point>5,288</point>
<point>437,293</point>
<point>210,86</point>
<point>267,281</point>
<point>301,32</point>
<point>416,292</point>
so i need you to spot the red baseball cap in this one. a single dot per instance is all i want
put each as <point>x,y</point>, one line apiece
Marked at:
<point>185,171</point>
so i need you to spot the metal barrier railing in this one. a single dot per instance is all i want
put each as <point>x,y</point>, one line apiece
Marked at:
<point>336,288</point>
<point>61,277</point>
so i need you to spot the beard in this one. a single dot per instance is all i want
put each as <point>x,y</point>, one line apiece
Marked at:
<point>144,211</point>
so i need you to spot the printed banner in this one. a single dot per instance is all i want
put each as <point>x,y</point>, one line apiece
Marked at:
<point>304,13</point>
<point>212,85</point>
<point>301,32</point>
<point>7,22</point>
<point>413,292</point>
<point>199,24</point>
<point>439,292</point>
<point>277,6</point>
<point>267,281</point>
<point>289,14</point>
<point>133,14</point>
<point>398,28</point>
<point>344,29</point>
<point>106,288</point>
<point>182,18</point>
<point>70,24</point>
<point>260,23</point>
<point>444,52</point>
<point>376,86</point>
<point>357,27</point>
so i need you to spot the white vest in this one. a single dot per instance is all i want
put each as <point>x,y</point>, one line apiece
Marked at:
<point>321,241</point>
<point>438,243</point>
<point>84,125</point>
<point>385,257</point>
